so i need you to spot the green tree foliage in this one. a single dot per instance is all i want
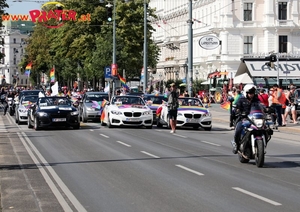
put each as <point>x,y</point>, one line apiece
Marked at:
<point>89,43</point>
<point>3,5</point>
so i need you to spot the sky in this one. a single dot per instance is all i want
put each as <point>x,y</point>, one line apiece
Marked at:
<point>23,7</point>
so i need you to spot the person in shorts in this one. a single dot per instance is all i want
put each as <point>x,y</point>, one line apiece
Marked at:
<point>291,107</point>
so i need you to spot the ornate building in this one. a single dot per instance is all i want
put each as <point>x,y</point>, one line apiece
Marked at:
<point>246,29</point>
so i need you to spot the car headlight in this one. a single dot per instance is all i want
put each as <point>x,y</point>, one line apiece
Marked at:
<point>207,114</point>
<point>116,112</point>
<point>90,108</point>
<point>23,110</point>
<point>179,114</point>
<point>42,114</point>
<point>75,113</point>
<point>147,113</point>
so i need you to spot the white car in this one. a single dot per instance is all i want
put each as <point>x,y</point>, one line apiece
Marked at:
<point>127,111</point>
<point>22,108</point>
<point>191,113</point>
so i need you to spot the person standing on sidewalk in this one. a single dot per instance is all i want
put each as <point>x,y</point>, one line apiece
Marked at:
<point>292,106</point>
<point>278,102</point>
<point>173,107</point>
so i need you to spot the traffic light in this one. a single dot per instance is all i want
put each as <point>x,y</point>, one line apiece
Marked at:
<point>272,58</point>
<point>109,13</point>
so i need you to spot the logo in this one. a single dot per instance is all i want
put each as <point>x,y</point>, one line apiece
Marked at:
<point>209,42</point>
<point>58,16</point>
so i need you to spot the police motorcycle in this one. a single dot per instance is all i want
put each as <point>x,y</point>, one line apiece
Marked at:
<point>255,135</point>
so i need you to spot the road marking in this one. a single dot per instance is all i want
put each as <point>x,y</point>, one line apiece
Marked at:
<point>105,136</point>
<point>257,196</point>
<point>147,153</point>
<point>91,130</point>
<point>54,175</point>
<point>190,170</point>
<point>120,142</point>
<point>182,136</point>
<point>206,142</point>
<point>160,130</point>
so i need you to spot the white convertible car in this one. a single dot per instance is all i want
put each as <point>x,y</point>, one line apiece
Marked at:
<point>127,111</point>
<point>191,113</point>
<point>22,108</point>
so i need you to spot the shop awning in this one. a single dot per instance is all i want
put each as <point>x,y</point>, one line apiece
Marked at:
<point>244,79</point>
<point>206,82</point>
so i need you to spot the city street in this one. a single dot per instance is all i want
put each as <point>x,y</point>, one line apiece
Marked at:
<point>130,169</point>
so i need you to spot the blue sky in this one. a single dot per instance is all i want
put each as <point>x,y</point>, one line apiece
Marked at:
<point>23,7</point>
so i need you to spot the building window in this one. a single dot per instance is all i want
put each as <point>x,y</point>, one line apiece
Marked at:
<point>282,10</point>
<point>15,40</point>
<point>248,43</point>
<point>283,40</point>
<point>247,11</point>
<point>21,81</point>
<point>15,61</point>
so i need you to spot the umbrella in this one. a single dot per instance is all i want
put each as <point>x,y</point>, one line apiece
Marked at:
<point>182,85</point>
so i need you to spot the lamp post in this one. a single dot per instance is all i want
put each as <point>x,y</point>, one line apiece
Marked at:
<point>190,48</point>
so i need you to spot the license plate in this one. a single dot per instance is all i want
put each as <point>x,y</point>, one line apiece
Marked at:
<point>59,119</point>
<point>132,119</point>
<point>192,120</point>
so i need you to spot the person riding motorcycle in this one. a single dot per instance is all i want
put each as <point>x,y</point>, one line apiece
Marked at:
<point>9,95</point>
<point>243,107</point>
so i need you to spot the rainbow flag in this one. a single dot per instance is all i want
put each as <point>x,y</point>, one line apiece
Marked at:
<point>123,82</point>
<point>236,99</point>
<point>27,73</point>
<point>52,75</point>
<point>29,66</point>
<point>226,105</point>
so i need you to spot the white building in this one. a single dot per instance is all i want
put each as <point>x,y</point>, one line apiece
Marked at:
<point>14,35</point>
<point>246,29</point>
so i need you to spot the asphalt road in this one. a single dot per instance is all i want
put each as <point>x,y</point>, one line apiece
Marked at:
<point>133,169</point>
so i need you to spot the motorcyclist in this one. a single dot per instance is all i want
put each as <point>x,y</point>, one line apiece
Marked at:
<point>243,107</point>
<point>9,95</point>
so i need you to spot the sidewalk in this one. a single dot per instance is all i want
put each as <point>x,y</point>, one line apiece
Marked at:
<point>222,115</point>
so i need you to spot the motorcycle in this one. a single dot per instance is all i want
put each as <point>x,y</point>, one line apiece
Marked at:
<point>10,106</point>
<point>255,135</point>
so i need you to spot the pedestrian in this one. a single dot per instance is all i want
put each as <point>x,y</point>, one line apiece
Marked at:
<point>173,105</point>
<point>263,97</point>
<point>291,106</point>
<point>277,102</point>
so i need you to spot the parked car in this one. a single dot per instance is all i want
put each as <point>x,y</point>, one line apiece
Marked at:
<point>52,111</point>
<point>127,111</point>
<point>90,105</point>
<point>191,113</point>
<point>153,102</point>
<point>22,108</point>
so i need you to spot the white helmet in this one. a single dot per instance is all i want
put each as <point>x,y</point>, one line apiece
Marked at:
<point>249,88</point>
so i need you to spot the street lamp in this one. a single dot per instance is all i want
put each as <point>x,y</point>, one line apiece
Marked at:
<point>190,48</point>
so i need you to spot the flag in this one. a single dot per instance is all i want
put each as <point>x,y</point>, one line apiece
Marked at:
<point>236,98</point>
<point>27,73</point>
<point>52,75</point>
<point>123,83</point>
<point>225,105</point>
<point>106,89</point>
<point>29,66</point>
<point>54,89</point>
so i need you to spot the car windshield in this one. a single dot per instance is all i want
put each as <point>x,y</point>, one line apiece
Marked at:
<point>29,99</point>
<point>54,101</point>
<point>156,99</point>
<point>190,102</point>
<point>95,97</point>
<point>128,100</point>
<point>297,93</point>
<point>29,93</point>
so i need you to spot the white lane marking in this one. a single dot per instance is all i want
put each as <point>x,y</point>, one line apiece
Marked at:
<point>206,142</point>
<point>120,142</point>
<point>91,130</point>
<point>257,196</point>
<point>147,153</point>
<point>47,178</point>
<point>182,136</point>
<point>105,136</point>
<point>159,130</point>
<point>190,170</point>
<point>54,175</point>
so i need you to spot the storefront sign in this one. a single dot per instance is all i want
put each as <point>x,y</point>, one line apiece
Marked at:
<point>286,69</point>
<point>209,42</point>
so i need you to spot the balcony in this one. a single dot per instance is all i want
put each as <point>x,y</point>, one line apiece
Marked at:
<point>284,23</point>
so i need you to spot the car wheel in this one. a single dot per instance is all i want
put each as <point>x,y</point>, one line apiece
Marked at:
<point>76,127</point>
<point>29,123</point>
<point>83,118</point>
<point>36,124</point>
<point>207,128</point>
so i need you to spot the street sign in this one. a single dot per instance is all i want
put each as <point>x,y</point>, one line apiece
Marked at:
<point>107,72</point>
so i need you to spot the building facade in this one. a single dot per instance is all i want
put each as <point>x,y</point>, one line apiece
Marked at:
<point>13,36</point>
<point>246,29</point>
